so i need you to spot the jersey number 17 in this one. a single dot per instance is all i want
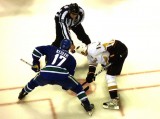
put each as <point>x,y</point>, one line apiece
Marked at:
<point>59,60</point>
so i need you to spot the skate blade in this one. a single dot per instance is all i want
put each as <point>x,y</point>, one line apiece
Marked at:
<point>90,113</point>
<point>113,108</point>
<point>20,101</point>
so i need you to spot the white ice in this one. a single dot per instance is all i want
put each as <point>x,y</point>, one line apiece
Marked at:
<point>25,24</point>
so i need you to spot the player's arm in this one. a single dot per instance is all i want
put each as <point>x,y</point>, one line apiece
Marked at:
<point>64,27</point>
<point>71,65</point>
<point>91,70</point>
<point>37,53</point>
<point>91,73</point>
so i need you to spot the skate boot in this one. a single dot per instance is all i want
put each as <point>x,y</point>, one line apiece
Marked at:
<point>112,104</point>
<point>22,94</point>
<point>89,109</point>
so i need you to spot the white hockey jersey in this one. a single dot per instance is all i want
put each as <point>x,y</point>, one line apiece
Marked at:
<point>97,52</point>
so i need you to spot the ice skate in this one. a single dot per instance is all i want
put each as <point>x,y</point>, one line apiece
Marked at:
<point>89,109</point>
<point>22,94</point>
<point>111,104</point>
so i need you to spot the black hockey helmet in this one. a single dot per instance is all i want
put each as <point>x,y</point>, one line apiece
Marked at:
<point>74,8</point>
<point>65,44</point>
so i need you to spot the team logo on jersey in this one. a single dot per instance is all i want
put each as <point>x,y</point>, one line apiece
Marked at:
<point>94,60</point>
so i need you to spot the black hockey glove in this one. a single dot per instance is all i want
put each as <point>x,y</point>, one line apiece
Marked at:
<point>36,66</point>
<point>90,77</point>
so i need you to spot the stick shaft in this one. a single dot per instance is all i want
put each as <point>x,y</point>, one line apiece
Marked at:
<point>104,68</point>
<point>25,62</point>
<point>96,75</point>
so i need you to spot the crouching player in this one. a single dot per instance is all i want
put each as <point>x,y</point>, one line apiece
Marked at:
<point>114,52</point>
<point>59,69</point>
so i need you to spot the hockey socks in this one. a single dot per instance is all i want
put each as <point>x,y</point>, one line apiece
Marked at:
<point>28,88</point>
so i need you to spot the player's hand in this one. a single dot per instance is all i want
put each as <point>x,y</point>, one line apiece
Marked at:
<point>90,77</point>
<point>36,66</point>
<point>72,48</point>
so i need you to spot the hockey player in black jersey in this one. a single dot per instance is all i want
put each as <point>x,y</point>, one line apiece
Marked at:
<point>113,52</point>
<point>59,70</point>
<point>69,18</point>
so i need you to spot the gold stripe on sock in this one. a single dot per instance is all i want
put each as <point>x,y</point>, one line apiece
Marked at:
<point>110,88</point>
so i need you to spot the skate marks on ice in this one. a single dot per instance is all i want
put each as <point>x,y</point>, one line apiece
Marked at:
<point>14,7</point>
<point>54,112</point>
<point>103,3</point>
<point>27,106</point>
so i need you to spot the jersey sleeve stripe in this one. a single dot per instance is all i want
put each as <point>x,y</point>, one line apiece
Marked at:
<point>36,55</point>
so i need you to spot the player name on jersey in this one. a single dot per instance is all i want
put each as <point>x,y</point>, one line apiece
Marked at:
<point>62,53</point>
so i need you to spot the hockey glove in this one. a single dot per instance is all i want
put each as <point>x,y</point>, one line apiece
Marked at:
<point>90,77</point>
<point>72,48</point>
<point>36,66</point>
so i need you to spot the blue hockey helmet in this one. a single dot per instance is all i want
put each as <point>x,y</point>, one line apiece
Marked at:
<point>65,44</point>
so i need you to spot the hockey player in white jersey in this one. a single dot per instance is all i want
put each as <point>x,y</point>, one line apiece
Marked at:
<point>114,52</point>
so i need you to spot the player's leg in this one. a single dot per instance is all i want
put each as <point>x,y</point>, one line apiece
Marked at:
<point>112,72</point>
<point>27,89</point>
<point>113,103</point>
<point>76,87</point>
<point>36,81</point>
<point>59,35</point>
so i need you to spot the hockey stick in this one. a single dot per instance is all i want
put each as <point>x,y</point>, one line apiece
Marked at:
<point>104,68</point>
<point>25,62</point>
